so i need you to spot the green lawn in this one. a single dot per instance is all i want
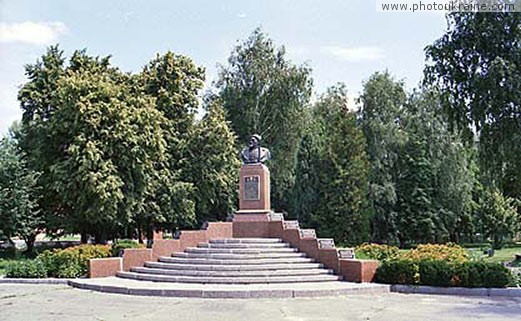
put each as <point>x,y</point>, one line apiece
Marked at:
<point>504,255</point>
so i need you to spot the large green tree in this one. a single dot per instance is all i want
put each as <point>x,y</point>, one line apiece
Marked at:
<point>174,81</point>
<point>19,195</point>
<point>106,142</point>
<point>382,100</point>
<point>112,147</point>
<point>333,171</point>
<point>264,93</point>
<point>477,65</point>
<point>214,164</point>
<point>433,182</point>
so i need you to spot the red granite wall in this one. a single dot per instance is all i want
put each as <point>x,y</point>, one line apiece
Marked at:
<point>251,229</point>
<point>292,236</point>
<point>309,246</point>
<point>136,257</point>
<point>165,248</point>
<point>105,267</point>
<point>219,230</point>
<point>358,270</point>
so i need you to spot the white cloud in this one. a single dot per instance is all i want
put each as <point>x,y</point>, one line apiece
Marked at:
<point>9,107</point>
<point>35,33</point>
<point>354,54</point>
<point>241,15</point>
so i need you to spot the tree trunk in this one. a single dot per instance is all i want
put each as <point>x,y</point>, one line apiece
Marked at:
<point>84,238</point>
<point>29,240</point>
<point>101,237</point>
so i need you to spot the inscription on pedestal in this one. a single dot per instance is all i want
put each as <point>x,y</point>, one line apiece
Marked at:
<point>326,243</point>
<point>307,234</point>
<point>347,253</point>
<point>251,188</point>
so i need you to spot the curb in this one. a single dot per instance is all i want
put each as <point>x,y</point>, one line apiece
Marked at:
<point>489,292</point>
<point>34,281</point>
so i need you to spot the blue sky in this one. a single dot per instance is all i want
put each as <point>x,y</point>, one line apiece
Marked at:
<point>342,40</point>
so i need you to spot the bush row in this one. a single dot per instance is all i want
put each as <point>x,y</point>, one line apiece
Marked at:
<point>120,245</point>
<point>444,273</point>
<point>448,252</point>
<point>71,262</point>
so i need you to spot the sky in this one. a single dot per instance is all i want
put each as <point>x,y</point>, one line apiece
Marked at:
<point>341,40</point>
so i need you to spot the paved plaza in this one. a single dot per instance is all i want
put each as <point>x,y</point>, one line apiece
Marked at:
<point>60,302</point>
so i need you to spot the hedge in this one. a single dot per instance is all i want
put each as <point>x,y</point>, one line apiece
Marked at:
<point>443,273</point>
<point>71,262</point>
<point>380,252</point>
<point>26,269</point>
<point>122,244</point>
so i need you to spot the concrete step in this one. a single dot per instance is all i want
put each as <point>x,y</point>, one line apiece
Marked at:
<point>233,256</point>
<point>246,240</point>
<point>241,251</point>
<point>228,280</point>
<point>227,261</point>
<point>234,267</point>
<point>262,273</point>
<point>243,245</point>
<point>251,291</point>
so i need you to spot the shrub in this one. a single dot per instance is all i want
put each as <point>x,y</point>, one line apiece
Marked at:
<point>482,274</point>
<point>397,272</point>
<point>122,244</point>
<point>72,262</point>
<point>516,277</point>
<point>380,252</point>
<point>26,269</point>
<point>444,273</point>
<point>434,252</point>
<point>436,273</point>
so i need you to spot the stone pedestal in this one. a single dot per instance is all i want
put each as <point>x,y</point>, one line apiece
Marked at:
<point>254,193</point>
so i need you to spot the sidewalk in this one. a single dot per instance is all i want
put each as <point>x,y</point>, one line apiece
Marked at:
<point>59,302</point>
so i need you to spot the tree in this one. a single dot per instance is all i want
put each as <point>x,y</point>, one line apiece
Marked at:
<point>306,194</point>
<point>19,195</point>
<point>214,164</point>
<point>262,92</point>
<point>382,101</point>
<point>499,217</point>
<point>338,168</point>
<point>476,65</point>
<point>174,82</point>
<point>434,182</point>
<point>104,143</point>
<point>34,138</point>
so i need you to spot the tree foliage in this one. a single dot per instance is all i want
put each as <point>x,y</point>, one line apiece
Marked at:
<point>19,194</point>
<point>113,147</point>
<point>434,182</point>
<point>498,216</point>
<point>262,92</point>
<point>476,64</point>
<point>214,164</point>
<point>382,101</point>
<point>337,166</point>
<point>421,181</point>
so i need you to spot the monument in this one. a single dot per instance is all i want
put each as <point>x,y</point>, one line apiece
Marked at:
<point>254,183</point>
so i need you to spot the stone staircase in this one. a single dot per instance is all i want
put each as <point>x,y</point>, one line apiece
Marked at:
<point>235,261</point>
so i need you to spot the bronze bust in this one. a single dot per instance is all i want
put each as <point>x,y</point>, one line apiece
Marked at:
<point>254,154</point>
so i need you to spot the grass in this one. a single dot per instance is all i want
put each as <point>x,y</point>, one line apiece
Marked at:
<point>503,255</point>
<point>69,237</point>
